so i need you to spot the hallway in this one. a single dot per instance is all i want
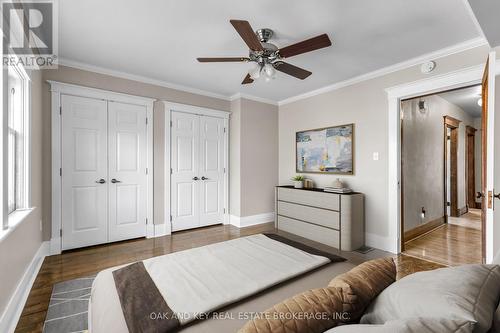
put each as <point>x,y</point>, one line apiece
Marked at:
<point>457,242</point>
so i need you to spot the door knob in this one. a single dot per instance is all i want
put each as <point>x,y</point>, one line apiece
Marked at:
<point>100,181</point>
<point>114,181</point>
<point>204,178</point>
<point>497,196</point>
<point>195,178</point>
<point>479,195</point>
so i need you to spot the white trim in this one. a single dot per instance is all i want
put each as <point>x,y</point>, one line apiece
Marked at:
<point>139,78</point>
<point>59,88</point>
<point>14,220</point>
<point>461,47</point>
<point>14,308</point>
<point>168,108</point>
<point>253,98</point>
<point>452,80</point>
<point>493,71</point>
<point>247,221</point>
<point>161,229</point>
<point>378,242</point>
<point>195,110</point>
<point>73,89</point>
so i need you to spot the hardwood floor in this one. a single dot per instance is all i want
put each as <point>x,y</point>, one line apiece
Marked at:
<point>455,243</point>
<point>89,261</point>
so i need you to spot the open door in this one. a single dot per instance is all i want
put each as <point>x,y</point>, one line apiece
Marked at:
<point>488,158</point>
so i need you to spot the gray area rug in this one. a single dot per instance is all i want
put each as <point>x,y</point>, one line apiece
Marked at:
<point>68,307</point>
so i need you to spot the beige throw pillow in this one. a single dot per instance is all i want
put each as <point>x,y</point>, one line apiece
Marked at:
<point>317,310</point>
<point>363,283</point>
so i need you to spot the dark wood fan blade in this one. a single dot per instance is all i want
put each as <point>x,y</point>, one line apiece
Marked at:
<point>247,79</point>
<point>308,45</point>
<point>247,34</point>
<point>292,70</point>
<point>240,59</point>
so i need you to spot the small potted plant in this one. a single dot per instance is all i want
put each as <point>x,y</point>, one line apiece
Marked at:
<point>298,181</point>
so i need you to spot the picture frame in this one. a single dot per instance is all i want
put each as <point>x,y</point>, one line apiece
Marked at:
<point>325,150</point>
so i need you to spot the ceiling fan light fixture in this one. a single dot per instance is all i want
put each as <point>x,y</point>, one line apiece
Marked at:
<point>254,72</point>
<point>269,72</point>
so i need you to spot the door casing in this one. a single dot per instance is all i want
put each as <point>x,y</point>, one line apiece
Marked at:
<point>453,80</point>
<point>59,88</point>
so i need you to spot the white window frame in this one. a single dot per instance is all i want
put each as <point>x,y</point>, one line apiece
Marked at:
<point>10,221</point>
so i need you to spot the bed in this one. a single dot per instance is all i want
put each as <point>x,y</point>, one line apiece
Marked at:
<point>230,280</point>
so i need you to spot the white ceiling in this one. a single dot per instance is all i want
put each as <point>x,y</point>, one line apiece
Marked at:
<point>466,99</point>
<point>161,39</point>
<point>487,12</point>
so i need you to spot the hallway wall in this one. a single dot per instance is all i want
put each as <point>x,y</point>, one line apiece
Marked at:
<point>422,155</point>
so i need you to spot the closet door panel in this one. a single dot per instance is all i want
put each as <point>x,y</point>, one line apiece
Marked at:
<point>211,170</point>
<point>84,164</point>
<point>127,171</point>
<point>185,182</point>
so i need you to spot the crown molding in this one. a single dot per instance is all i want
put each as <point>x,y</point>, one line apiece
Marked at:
<point>457,48</point>
<point>253,98</point>
<point>123,75</point>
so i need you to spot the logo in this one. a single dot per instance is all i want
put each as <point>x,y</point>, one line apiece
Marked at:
<point>29,33</point>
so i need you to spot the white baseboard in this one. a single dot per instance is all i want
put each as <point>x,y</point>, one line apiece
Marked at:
<point>380,242</point>
<point>55,245</point>
<point>161,230</point>
<point>246,221</point>
<point>12,312</point>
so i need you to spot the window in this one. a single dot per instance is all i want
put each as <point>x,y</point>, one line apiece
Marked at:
<point>17,136</point>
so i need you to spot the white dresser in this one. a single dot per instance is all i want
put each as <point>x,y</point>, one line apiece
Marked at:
<point>333,219</point>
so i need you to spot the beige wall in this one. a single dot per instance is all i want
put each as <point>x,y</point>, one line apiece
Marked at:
<point>19,247</point>
<point>253,156</point>
<point>364,104</point>
<point>478,155</point>
<point>235,158</point>
<point>106,82</point>
<point>259,157</point>
<point>423,152</point>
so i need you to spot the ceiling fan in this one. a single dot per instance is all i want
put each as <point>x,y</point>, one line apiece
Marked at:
<point>268,57</point>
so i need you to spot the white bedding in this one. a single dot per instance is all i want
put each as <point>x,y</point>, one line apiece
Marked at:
<point>204,279</point>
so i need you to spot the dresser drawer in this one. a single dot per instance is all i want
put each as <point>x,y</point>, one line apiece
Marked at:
<point>313,232</point>
<point>323,217</point>
<point>310,198</point>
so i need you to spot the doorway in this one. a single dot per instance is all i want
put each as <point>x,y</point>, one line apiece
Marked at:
<point>439,139</point>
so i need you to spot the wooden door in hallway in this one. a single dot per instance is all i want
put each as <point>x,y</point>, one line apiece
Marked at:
<point>470,166</point>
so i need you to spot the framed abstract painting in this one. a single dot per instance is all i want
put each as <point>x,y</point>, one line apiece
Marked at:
<point>325,150</point>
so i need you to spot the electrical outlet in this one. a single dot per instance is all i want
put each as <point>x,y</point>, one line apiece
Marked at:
<point>375,156</point>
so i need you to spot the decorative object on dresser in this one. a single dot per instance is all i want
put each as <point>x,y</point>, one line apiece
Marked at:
<point>298,181</point>
<point>325,150</point>
<point>333,219</point>
<point>308,183</point>
<point>337,187</point>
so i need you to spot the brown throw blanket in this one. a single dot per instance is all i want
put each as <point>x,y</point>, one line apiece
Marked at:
<point>144,307</point>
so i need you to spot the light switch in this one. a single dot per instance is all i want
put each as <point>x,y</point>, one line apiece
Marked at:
<point>375,156</point>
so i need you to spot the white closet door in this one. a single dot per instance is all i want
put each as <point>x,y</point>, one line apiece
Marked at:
<point>84,172</point>
<point>211,170</point>
<point>127,171</point>
<point>185,183</point>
